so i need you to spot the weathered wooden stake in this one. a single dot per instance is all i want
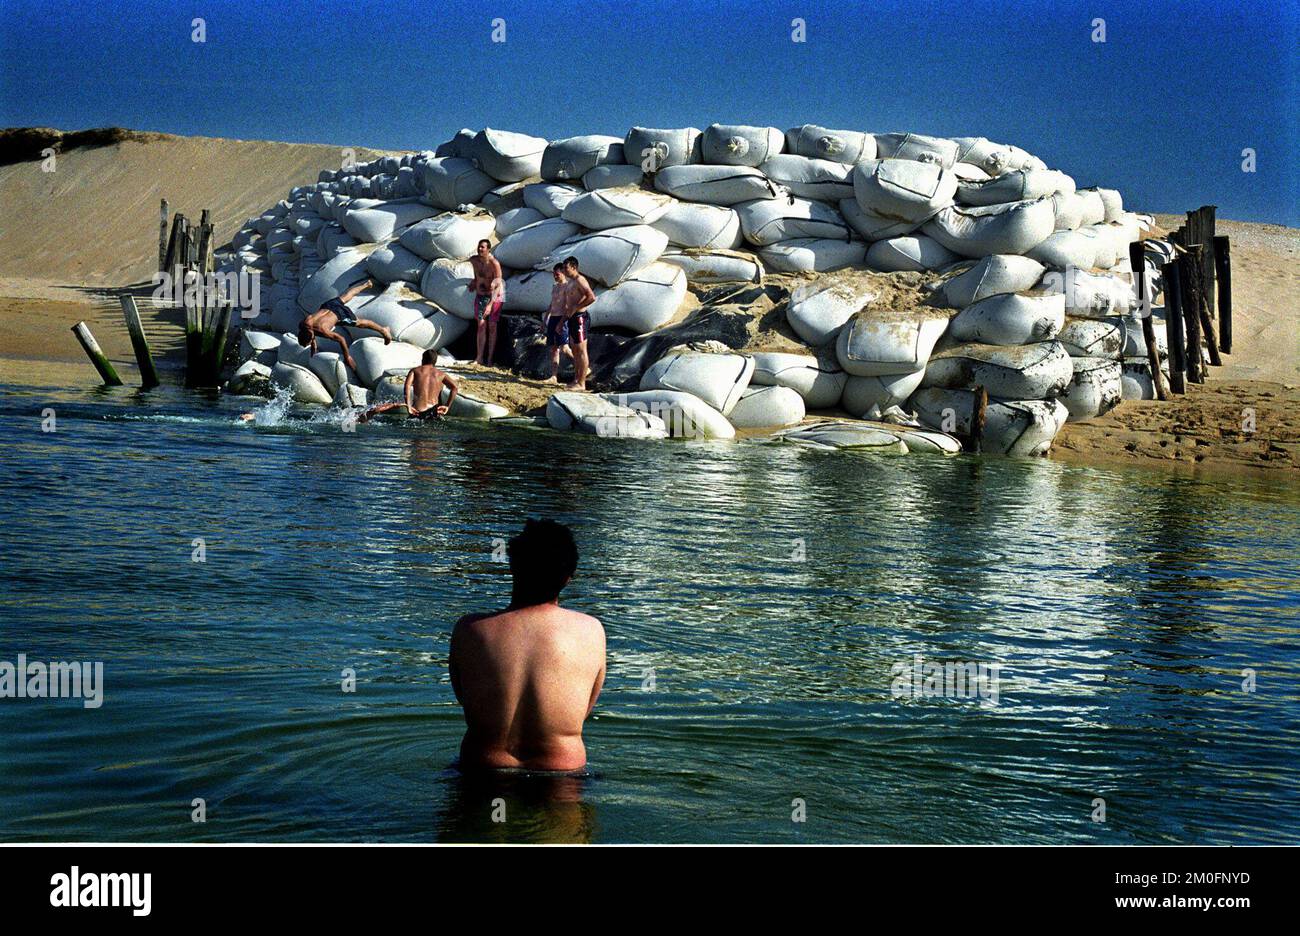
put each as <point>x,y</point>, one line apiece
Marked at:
<point>143,359</point>
<point>1137,262</point>
<point>96,355</point>
<point>217,351</point>
<point>162,237</point>
<point>1223,270</point>
<point>1174,325</point>
<point>978,418</point>
<point>1189,285</point>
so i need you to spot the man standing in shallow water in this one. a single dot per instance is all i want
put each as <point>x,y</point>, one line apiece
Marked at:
<point>528,676</point>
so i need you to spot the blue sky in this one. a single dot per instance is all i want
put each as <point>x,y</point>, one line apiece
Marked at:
<point>1162,110</point>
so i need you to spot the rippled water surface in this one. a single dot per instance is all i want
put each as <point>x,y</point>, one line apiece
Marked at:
<point>755,596</point>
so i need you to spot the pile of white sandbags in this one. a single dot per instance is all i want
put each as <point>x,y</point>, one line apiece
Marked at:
<point>1035,304</point>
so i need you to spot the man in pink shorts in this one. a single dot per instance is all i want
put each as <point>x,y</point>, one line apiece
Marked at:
<point>489,292</point>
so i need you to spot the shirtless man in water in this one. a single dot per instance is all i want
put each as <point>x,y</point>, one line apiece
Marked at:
<point>529,676</point>
<point>421,392</point>
<point>325,321</point>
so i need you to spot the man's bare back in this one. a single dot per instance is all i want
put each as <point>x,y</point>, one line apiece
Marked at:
<point>426,386</point>
<point>529,676</point>
<point>420,392</point>
<point>527,679</point>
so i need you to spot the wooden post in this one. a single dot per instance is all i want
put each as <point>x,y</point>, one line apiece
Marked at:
<point>1223,270</point>
<point>96,355</point>
<point>978,419</point>
<point>143,359</point>
<point>216,351</point>
<point>1174,325</point>
<point>193,340</point>
<point>162,237</point>
<point>1189,285</point>
<point>1137,261</point>
<point>1205,223</point>
<point>173,256</point>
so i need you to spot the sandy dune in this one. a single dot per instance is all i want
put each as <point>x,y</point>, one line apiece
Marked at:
<point>94,220</point>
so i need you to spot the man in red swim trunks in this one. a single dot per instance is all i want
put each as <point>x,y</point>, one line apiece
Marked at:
<point>487,288</point>
<point>580,298</point>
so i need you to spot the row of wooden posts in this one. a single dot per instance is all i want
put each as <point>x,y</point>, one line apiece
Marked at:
<point>185,254</point>
<point>1198,303</point>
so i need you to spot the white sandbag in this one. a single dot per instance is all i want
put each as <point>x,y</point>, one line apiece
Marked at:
<point>516,218</point>
<point>507,156</point>
<point>805,177</point>
<point>917,147</point>
<point>819,382</point>
<point>715,185</point>
<point>846,434</point>
<point>530,291</point>
<point>767,407</point>
<point>393,263</point>
<point>642,302</point>
<point>737,145</point>
<point>902,188</point>
<point>1011,427</point>
<point>468,406</point>
<point>812,255</point>
<point>1096,388</point>
<point>305,385</point>
<point>1135,380</point>
<point>328,366</point>
<point>451,236</point>
<point>332,280</point>
<point>533,243</point>
<point>879,341</point>
<point>412,320</point>
<point>653,149</point>
<point>816,311</point>
<point>382,221</point>
<point>841,146</point>
<point>1093,295</point>
<point>769,220</point>
<point>872,226</point>
<point>715,266</point>
<point>612,176</point>
<point>688,224</point>
<point>1093,207</point>
<point>871,396</point>
<point>913,252</point>
<point>1066,250</point>
<point>550,198</point>
<point>571,158</point>
<point>1010,319</point>
<point>451,181</point>
<point>376,359</point>
<point>249,378</point>
<point>1094,337</point>
<point>258,346</point>
<point>616,207</point>
<point>612,255</point>
<point>1112,205</point>
<point>684,414</point>
<point>991,276</point>
<point>1029,372</point>
<point>1068,209</point>
<point>446,283</point>
<point>1015,228</point>
<point>460,145</point>
<point>1020,185</point>
<point>501,192</point>
<point>717,379</point>
<point>586,412</point>
<point>992,158</point>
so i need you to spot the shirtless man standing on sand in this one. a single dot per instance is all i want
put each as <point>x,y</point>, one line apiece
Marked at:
<point>421,393</point>
<point>325,320</point>
<point>487,304</point>
<point>528,676</point>
<point>581,297</point>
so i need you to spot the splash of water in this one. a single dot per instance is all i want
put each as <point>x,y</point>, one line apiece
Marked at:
<point>276,410</point>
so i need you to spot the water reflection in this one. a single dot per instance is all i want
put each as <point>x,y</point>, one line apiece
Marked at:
<point>496,807</point>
